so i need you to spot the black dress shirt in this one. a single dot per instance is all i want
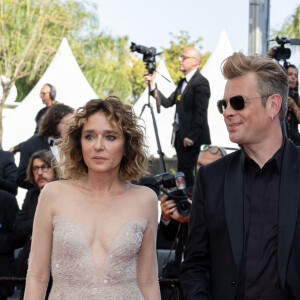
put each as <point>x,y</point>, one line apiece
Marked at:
<point>259,277</point>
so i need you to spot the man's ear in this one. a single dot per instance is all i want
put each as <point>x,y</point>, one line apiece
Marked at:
<point>274,104</point>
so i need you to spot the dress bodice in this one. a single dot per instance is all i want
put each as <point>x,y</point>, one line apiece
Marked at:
<point>75,275</point>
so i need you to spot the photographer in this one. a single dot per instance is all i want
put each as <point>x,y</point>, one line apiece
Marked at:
<point>190,127</point>
<point>173,224</point>
<point>293,113</point>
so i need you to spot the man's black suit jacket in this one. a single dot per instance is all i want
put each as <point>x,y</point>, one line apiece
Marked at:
<point>8,210</point>
<point>8,172</point>
<point>24,219</point>
<point>33,144</point>
<point>192,109</point>
<point>215,243</point>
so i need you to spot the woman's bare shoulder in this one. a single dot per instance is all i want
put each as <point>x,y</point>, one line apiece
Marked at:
<point>57,189</point>
<point>144,193</point>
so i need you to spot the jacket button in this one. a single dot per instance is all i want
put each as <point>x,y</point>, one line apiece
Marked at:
<point>233,282</point>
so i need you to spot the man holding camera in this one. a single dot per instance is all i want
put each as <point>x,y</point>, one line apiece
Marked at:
<point>244,228</point>
<point>174,225</point>
<point>190,127</point>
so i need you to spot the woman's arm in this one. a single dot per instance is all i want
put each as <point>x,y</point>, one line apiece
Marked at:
<point>147,274</point>
<point>39,258</point>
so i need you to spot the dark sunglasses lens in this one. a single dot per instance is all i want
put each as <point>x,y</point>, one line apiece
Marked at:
<point>221,106</point>
<point>237,102</point>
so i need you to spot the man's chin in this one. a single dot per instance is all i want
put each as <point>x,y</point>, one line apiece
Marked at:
<point>234,138</point>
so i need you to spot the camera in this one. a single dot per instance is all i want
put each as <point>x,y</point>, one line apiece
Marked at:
<point>282,53</point>
<point>148,56</point>
<point>179,194</point>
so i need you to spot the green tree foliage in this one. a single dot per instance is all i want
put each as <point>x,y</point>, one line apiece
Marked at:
<point>179,42</point>
<point>291,26</point>
<point>105,62</point>
<point>31,31</point>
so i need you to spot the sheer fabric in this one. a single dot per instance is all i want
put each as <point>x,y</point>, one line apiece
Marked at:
<point>74,275</point>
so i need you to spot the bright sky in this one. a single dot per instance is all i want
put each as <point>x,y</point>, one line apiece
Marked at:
<point>149,23</point>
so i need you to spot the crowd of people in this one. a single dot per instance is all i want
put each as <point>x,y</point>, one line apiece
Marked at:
<point>88,225</point>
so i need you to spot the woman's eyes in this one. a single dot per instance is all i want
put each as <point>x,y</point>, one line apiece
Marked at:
<point>110,137</point>
<point>90,137</point>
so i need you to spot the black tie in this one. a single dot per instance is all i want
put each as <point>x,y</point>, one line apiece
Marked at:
<point>181,81</point>
<point>51,143</point>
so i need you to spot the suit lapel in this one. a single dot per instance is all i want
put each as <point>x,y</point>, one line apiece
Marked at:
<point>288,206</point>
<point>233,200</point>
<point>189,83</point>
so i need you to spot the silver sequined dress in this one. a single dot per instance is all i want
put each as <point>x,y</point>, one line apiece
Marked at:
<point>74,275</point>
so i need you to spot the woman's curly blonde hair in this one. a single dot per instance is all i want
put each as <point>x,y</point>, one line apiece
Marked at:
<point>134,162</point>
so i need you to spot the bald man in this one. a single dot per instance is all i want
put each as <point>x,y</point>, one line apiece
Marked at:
<point>190,127</point>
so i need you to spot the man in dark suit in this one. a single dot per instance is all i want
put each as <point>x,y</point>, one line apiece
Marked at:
<point>190,128</point>
<point>8,171</point>
<point>8,210</point>
<point>48,96</point>
<point>244,229</point>
<point>39,173</point>
<point>172,224</point>
<point>51,128</point>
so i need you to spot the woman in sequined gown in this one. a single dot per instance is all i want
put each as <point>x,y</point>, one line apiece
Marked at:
<point>96,231</point>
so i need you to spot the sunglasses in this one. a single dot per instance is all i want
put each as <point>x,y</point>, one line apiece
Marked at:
<point>236,102</point>
<point>212,149</point>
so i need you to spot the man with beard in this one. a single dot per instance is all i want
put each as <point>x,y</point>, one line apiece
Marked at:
<point>39,172</point>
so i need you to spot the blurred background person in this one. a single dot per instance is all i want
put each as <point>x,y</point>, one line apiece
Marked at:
<point>293,113</point>
<point>48,96</point>
<point>8,210</point>
<point>175,226</point>
<point>51,128</point>
<point>8,172</point>
<point>191,97</point>
<point>39,173</point>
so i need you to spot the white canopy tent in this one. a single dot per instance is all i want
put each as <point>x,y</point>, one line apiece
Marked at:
<point>212,71</point>
<point>72,89</point>
<point>164,120</point>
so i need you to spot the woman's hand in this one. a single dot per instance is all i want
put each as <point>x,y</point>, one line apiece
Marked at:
<point>291,103</point>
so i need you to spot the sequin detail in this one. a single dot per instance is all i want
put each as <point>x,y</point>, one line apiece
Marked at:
<point>72,267</point>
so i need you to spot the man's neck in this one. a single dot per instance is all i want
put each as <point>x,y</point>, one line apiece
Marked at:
<point>262,152</point>
<point>51,103</point>
<point>191,71</point>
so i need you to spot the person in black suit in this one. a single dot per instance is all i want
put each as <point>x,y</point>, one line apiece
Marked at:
<point>8,171</point>
<point>244,229</point>
<point>172,224</point>
<point>39,173</point>
<point>48,96</point>
<point>52,125</point>
<point>8,210</point>
<point>190,127</point>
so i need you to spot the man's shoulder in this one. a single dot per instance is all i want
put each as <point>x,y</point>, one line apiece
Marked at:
<point>6,155</point>
<point>198,77</point>
<point>36,142</point>
<point>41,112</point>
<point>6,196</point>
<point>221,165</point>
<point>35,139</point>
<point>34,192</point>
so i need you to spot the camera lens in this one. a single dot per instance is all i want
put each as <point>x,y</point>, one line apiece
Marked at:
<point>184,207</point>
